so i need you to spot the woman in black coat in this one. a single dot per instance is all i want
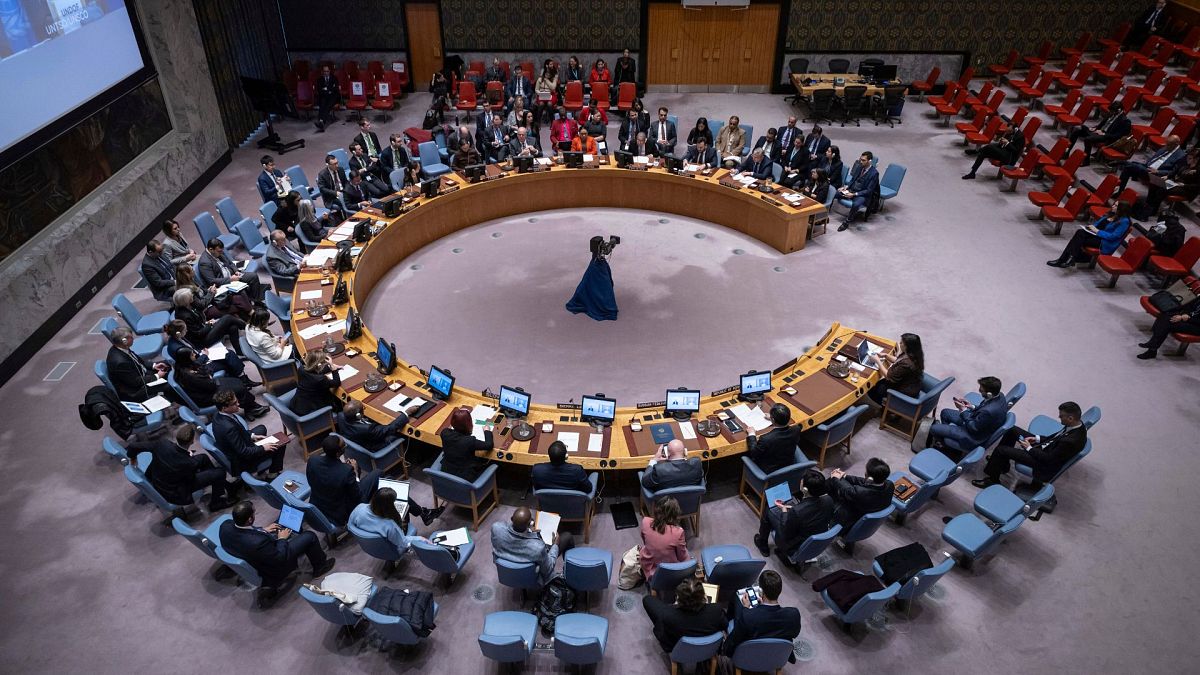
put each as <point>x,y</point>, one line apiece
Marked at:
<point>313,389</point>
<point>459,446</point>
<point>193,377</point>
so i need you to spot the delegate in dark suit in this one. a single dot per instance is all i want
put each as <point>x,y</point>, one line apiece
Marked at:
<point>130,374</point>
<point>770,146</point>
<point>368,433</point>
<point>268,185</point>
<point>177,473</point>
<point>330,182</point>
<point>335,488</point>
<point>273,558</point>
<point>393,158</point>
<point>458,453</point>
<point>803,519</point>
<point>370,143</point>
<point>218,270</point>
<point>672,623</point>
<point>1161,163</point>
<point>160,275</point>
<point>565,476</point>
<point>962,430</point>
<point>1007,150</point>
<point>757,165</point>
<point>662,137</point>
<point>795,166</point>
<point>1166,324</point>
<point>356,195</point>
<point>1149,22</point>
<point>815,146</point>
<point>673,473</point>
<point>369,169</point>
<point>1045,458</point>
<point>232,436</point>
<point>761,621</point>
<point>1113,126</point>
<point>518,86</point>
<point>328,95</point>
<point>315,391</point>
<point>775,450</point>
<point>863,192</point>
<point>707,157</point>
<point>284,261</point>
<point>855,496</point>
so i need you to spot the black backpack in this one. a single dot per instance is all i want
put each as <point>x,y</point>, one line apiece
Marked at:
<point>557,598</point>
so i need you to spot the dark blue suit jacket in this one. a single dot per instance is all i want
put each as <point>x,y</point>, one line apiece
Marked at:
<point>334,487</point>
<point>566,476</point>
<point>266,186</point>
<point>234,440</point>
<point>265,553</point>
<point>760,169</point>
<point>863,182</point>
<point>983,420</point>
<point>762,621</point>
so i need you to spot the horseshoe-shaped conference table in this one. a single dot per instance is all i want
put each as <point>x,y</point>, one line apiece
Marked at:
<point>803,384</point>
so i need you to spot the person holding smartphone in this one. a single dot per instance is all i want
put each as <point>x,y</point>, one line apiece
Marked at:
<point>764,619</point>
<point>966,426</point>
<point>671,467</point>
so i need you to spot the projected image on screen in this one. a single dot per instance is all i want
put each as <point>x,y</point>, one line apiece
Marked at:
<point>60,54</point>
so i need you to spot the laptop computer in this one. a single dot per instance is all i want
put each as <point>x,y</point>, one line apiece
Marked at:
<point>290,517</point>
<point>781,492</point>
<point>400,487</point>
<point>865,350</point>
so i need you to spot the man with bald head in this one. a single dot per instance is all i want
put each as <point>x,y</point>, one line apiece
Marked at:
<point>282,258</point>
<point>1160,165</point>
<point>517,542</point>
<point>671,467</point>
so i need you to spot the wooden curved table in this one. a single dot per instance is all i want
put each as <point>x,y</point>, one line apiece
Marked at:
<point>818,396</point>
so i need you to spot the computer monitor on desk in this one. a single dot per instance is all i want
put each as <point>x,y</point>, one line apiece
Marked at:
<point>867,71</point>
<point>682,403</point>
<point>386,354</point>
<point>624,159</point>
<point>754,385</point>
<point>674,164</point>
<point>523,164</point>
<point>573,160</point>
<point>441,382</point>
<point>474,172</point>
<point>598,409</point>
<point>429,188</point>
<point>885,73</point>
<point>514,402</point>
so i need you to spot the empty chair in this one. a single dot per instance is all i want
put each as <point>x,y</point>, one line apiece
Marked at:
<point>921,582</point>
<point>206,227</point>
<point>300,182</point>
<point>668,576</point>
<point>308,429</point>
<point>975,538</point>
<point>693,650</point>
<point>431,161</point>
<point>142,324</point>
<point>923,87</point>
<point>439,559</point>
<point>762,655</point>
<point>864,608</point>
<point>866,526</point>
<point>755,482</point>
<point>889,185</point>
<point>332,610</point>
<point>839,65</point>
<point>930,462</point>
<point>481,496</point>
<point>833,433</point>
<point>1131,259</point>
<point>580,639</point>
<point>206,539</point>
<point>814,546</point>
<point>272,492</point>
<point>508,637</point>
<point>588,569</point>
<point>730,566</point>
<point>252,238</point>
<point>925,491</point>
<point>570,505</point>
<point>280,306</point>
<point>229,212</point>
<point>908,411</point>
<point>820,106</point>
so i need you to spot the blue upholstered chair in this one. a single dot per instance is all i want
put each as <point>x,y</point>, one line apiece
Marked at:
<point>309,429</point>
<point>1010,421</point>
<point>207,411</point>
<point>207,444</point>
<point>762,655</point>
<point>267,211</point>
<point>689,497</point>
<point>394,629</point>
<point>755,482</point>
<point>252,238</point>
<point>382,459</point>
<point>737,569</point>
<point>926,491</point>
<point>1052,501</point>
<point>814,546</point>
<point>309,244</point>
<point>1043,426</point>
<point>588,569</point>
<point>975,538</point>
<point>889,184</point>
<point>431,161</point>
<point>458,492</point>
<point>332,610</point>
<point>136,473</point>
<point>342,156</point>
<point>866,526</point>
<point>397,176</point>
<point>113,448</point>
<point>317,520</point>
<point>439,559</point>
<point>667,577</point>
<point>570,505</point>
<point>280,306</point>
<point>776,171</point>
<point>206,227</point>
<point>146,346</point>
<point>508,637</point>
<point>230,214</point>
<point>1012,397</point>
<point>833,433</point>
<point>272,493</point>
<point>921,582</point>
<point>282,284</point>
<point>206,539</point>
<point>750,139</point>
<point>909,411</point>
<point>519,575</point>
<point>692,650</point>
<point>379,547</point>
<point>246,574</point>
<point>931,461</point>
<point>300,182</point>
<point>580,639</point>
<point>142,324</point>
<point>862,610</point>
<point>276,376</point>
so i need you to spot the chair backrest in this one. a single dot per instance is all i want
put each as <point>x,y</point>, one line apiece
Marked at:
<point>668,575</point>
<point>696,649</point>
<point>249,233</point>
<point>244,570</point>
<point>689,497</point>
<point>207,444</point>
<point>436,558</point>
<point>762,655</point>
<point>267,211</point>
<point>187,399</point>
<point>570,504</point>
<point>736,573</point>
<point>815,545</point>
<point>934,74</point>
<point>924,580</point>
<point>135,472</point>
<point>868,524</point>
<point>312,515</point>
<point>842,428</point>
<point>229,212</point>
<point>376,547</point>
<point>264,490</point>
<point>517,574</point>
<point>342,156</point>
<point>114,449</point>
<point>1189,253</point>
<point>1087,450</point>
<point>839,65</point>
<point>279,306</point>
<point>580,649</point>
<point>822,100</point>
<point>504,648</point>
<point>297,176</point>
<point>206,226</point>
<point>329,608</point>
<point>126,310</point>
<point>1038,499</point>
<point>313,422</point>
<point>428,153</point>
<point>197,538</point>
<point>591,573</point>
<point>994,102</point>
<point>830,196</point>
<point>798,66</point>
<point>304,92</point>
<point>893,176</point>
<point>925,492</point>
<point>1136,252</point>
<point>391,628</point>
<point>869,604</point>
<point>1161,119</point>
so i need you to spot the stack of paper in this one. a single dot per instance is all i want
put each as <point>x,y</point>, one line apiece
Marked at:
<point>482,414</point>
<point>320,256</point>
<point>544,161</point>
<point>311,295</point>
<point>569,439</point>
<point>693,167</point>
<point>231,287</point>
<point>752,418</point>
<point>547,525</point>
<point>217,352</point>
<point>595,443</point>
<point>589,158</point>
<point>347,371</point>
<point>313,331</point>
<point>641,159</point>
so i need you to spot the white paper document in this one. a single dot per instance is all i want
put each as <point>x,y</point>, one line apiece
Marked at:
<point>452,538</point>
<point>313,331</point>
<point>401,403</point>
<point>347,371</point>
<point>481,414</point>
<point>547,525</point>
<point>751,418</point>
<point>641,159</point>
<point>217,352</point>
<point>544,161</point>
<point>231,287</point>
<point>589,158</point>
<point>151,405</point>
<point>310,295</point>
<point>320,256</point>
<point>693,167</point>
<point>569,439</point>
<point>687,430</point>
<point>595,443</point>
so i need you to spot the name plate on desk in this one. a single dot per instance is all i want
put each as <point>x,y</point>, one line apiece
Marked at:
<point>652,404</point>
<point>726,390</point>
<point>569,406</point>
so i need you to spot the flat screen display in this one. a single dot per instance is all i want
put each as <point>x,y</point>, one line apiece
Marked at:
<point>513,401</point>
<point>683,400</point>
<point>756,383</point>
<point>440,381</point>
<point>599,408</point>
<point>386,356</point>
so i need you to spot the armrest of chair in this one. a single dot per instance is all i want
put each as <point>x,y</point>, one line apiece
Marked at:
<point>593,478</point>
<point>750,466</point>
<point>316,414</point>
<point>904,398</point>
<point>488,476</point>
<point>387,449</point>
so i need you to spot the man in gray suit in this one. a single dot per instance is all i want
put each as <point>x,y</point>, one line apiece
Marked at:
<point>518,542</point>
<point>671,468</point>
<point>282,259</point>
<point>662,135</point>
<point>216,269</point>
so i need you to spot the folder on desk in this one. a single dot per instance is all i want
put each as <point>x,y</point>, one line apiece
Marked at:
<point>662,433</point>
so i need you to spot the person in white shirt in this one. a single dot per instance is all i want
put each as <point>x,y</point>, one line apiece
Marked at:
<point>263,343</point>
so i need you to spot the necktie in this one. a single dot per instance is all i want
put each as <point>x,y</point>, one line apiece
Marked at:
<point>337,181</point>
<point>367,142</point>
<point>662,131</point>
<point>497,134</point>
<point>520,89</point>
<point>812,147</point>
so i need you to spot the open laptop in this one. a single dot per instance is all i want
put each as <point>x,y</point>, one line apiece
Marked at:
<point>781,491</point>
<point>865,350</point>
<point>290,517</point>
<point>401,489</point>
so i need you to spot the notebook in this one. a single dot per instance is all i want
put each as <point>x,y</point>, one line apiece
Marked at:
<point>547,524</point>
<point>291,518</point>
<point>452,537</point>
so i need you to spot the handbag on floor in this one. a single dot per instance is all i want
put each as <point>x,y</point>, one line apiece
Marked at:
<point>631,570</point>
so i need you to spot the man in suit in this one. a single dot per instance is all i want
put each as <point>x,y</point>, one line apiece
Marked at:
<point>522,145</point>
<point>238,441</point>
<point>767,619</point>
<point>795,163</point>
<point>272,551</point>
<point>1113,126</point>
<point>216,269</point>
<point>177,472</point>
<point>493,140</point>
<point>129,373</point>
<point>662,135</point>
<point>458,137</point>
<point>795,520</point>
<point>517,542</point>
<point>558,473</point>
<point>789,133</point>
<point>328,95</point>
<point>356,194</point>
<point>367,139</point>
<point>863,190</point>
<point>332,183</point>
<point>1160,164</point>
<point>638,145</point>
<point>701,154</point>
<point>967,426</point>
<point>854,496</point>
<point>1044,455</point>
<point>337,484</point>
<point>396,156</point>
<point>757,164</point>
<point>494,73</point>
<point>353,425</point>
<point>282,259</point>
<point>1185,320</point>
<point>368,170</point>
<point>815,145</point>
<point>273,185</point>
<point>671,467</point>
<point>518,86</point>
<point>777,448</point>
<point>1007,149</point>
<point>158,271</point>
<point>1150,22</point>
<point>769,144</point>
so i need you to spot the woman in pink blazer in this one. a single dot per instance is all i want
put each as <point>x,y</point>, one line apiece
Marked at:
<point>662,537</point>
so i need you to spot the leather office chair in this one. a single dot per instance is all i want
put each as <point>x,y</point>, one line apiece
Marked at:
<point>481,496</point>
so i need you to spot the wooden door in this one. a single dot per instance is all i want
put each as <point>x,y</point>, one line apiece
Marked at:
<point>424,42</point>
<point>711,45</point>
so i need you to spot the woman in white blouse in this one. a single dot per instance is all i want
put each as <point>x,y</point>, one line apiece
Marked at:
<point>266,346</point>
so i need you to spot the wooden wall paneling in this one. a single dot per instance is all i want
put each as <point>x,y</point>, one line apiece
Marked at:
<point>424,42</point>
<point>708,46</point>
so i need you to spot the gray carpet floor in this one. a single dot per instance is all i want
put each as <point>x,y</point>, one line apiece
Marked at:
<point>93,580</point>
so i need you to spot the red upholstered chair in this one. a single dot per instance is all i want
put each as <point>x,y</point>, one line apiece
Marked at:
<point>467,99</point>
<point>1118,36</point>
<point>573,96</point>
<point>1128,262</point>
<point>1067,70</point>
<point>1183,129</point>
<point>978,98</point>
<point>626,93</point>
<point>1186,48</point>
<point>964,80</point>
<point>600,96</point>
<point>1154,55</point>
<point>1079,79</point>
<point>1178,265</point>
<point>290,81</point>
<point>1111,155</point>
<point>384,101</point>
<point>1000,69</point>
<point>974,126</point>
<point>304,96</point>
<point>1106,59</point>
<point>993,104</point>
<point>375,69</point>
<point>1104,191</point>
<point>1031,129</point>
<point>1157,125</point>
<point>1022,170</point>
<point>1037,91</point>
<point>395,83</point>
<point>924,87</point>
<point>343,83</point>
<point>1103,100</point>
<point>1051,197</point>
<point>1081,45</point>
<point>1151,85</point>
<point>493,94</point>
<point>532,74</point>
<point>953,108</point>
<point>1057,151</point>
<point>947,96</point>
<point>401,75</point>
<point>477,66</point>
<point>1164,97</point>
<point>1128,195</point>
<point>1067,212</point>
<point>1074,119</point>
<point>1068,104</point>
<point>1121,69</point>
<point>1018,116</point>
<point>350,67</point>
<point>1068,168</point>
<point>1043,53</point>
<point>1031,78</point>
<point>989,132</point>
<point>358,99</point>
